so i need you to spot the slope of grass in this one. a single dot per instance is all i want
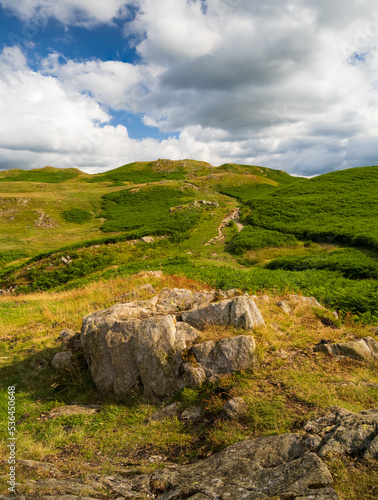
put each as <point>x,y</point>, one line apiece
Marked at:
<point>47,174</point>
<point>350,262</point>
<point>256,237</point>
<point>339,206</point>
<point>148,208</point>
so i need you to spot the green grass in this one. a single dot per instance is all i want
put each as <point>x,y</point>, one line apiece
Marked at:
<point>349,262</point>
<point>148,209</point>
<point>251,238</point>
<point>142,172</point>
<point>76,215</point>
<point>336,207</point>
<point>47,174</point>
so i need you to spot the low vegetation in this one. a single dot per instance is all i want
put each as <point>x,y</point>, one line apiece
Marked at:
<point>256,237</point>
<point>349,262</point>
<point>76,215</point>
<point>337,207</point>
<point>71,244</point>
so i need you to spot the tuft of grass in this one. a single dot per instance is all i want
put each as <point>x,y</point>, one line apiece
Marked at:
<point>76,215</point>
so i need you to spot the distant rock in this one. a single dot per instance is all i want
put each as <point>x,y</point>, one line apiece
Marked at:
<point>362,349</point>
<point>309,301</point>
<point>71,410</point>
<point>147,239</point>
<point>138,292</point>
<point>191,413</point>
<point>166,412</point>
<point>284,306</point>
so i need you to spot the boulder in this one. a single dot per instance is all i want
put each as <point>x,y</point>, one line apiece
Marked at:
<point>234,408</point>
<point>225,356</point>
<point>274,466</point>
<point>342,431</point>
<point>309,301</point>
<point>362,349</point>
<point>138,345</point>
<point>62,361</point>
<point>240,312</point>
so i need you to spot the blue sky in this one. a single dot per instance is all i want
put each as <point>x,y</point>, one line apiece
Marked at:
<point>94,85</point>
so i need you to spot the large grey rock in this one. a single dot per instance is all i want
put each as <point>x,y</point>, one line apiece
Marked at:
<point>138,345</point>
<point>225,356</point>
<point>362,349</point>
<point>342,431</point>
<point>240,312</point>
<point>275,466</point>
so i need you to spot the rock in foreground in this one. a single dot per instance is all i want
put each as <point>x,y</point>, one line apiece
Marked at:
<point>151,344</point>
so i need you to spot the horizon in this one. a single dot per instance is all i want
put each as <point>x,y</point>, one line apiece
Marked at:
<point>290,85</point>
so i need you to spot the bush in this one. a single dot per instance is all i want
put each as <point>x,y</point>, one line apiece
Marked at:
<point>76,215</point>
<point>349,262</point>
<point>251,238</point>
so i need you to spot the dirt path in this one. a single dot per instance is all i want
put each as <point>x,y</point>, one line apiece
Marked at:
<point>234,215</point>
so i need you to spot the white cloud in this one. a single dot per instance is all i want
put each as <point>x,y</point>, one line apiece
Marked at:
<point>289,85</point>
<point>73,12</point>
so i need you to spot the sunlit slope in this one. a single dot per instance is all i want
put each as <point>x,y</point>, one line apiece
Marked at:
<point>339,206</point>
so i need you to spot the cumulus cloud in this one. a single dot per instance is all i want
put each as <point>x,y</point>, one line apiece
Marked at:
<point>72,12</point>
<point>289,85</point>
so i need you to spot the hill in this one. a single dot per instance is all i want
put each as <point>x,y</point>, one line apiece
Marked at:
<point>336,207</point>
<point>72,244</point>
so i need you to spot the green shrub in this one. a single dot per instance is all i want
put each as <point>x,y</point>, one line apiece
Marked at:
<point>336,207</point>
<point>76,215</point>
<point>251,238</point>
<point>147,211</point>
<point>349,262</point>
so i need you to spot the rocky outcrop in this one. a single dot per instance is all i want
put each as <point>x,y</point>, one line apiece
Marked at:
<point>342,431</point>
<point>151,344</point>
<point>362,349</point>
<point>275,466</point>
<point>269,467</point>
<point>240,312</point>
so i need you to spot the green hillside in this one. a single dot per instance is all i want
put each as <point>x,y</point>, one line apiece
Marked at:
<point>337,207</point>
<point>73,243</point>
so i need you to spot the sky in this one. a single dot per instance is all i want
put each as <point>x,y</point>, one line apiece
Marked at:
<point>93,84</point>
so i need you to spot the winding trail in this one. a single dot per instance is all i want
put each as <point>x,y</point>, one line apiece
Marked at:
<point>235,216</point>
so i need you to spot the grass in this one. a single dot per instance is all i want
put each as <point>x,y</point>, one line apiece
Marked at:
<point>77,215</point>
<point>251,238</point>
<point>349,262</point>
<point>336,207</point>
<point>292,382</point>
<point>291,385</point>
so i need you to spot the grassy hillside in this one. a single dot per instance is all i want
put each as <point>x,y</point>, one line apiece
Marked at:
<point>336,207</point>
<point>71,244</point>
